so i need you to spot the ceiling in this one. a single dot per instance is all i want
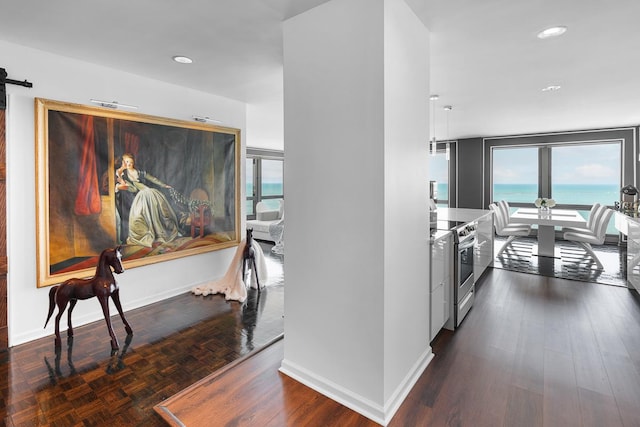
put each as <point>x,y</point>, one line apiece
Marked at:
<point>486,61</point>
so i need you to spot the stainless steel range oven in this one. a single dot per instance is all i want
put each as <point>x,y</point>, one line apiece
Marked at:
<point>463,293</point>
<point>463,280</point>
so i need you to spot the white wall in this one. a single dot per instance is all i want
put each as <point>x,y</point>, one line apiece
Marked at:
<point>334,134</point>
<point>265,123</point>
<point>406,230</point>
<point>64,79</point>
<point>357,265</point>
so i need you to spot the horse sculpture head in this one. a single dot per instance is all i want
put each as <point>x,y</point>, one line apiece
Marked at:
<point>249,235</point>
<point>114,259</point>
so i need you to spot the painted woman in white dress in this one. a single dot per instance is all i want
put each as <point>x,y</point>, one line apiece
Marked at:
<point>151,218</point>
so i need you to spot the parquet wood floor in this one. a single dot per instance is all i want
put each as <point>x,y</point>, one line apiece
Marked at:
<point>533,351</point>
<point>175,343</point>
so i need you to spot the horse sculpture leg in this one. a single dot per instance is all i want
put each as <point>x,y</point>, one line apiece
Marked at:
<point>72,304</point>
<point>104,303</point>
<point>61,301</point>
<point>116,299</point>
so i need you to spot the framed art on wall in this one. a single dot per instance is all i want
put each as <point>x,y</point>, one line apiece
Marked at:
<point>161,188</point>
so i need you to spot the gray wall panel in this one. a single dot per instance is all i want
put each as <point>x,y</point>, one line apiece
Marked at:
<point>470,173</point>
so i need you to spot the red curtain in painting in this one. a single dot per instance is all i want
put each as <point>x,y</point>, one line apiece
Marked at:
<point>131,143</point>
<point>88,197</point>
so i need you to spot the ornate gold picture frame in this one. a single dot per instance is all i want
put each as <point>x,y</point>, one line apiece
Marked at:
<point>161,188</point>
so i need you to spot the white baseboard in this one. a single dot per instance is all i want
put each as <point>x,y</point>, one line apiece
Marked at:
<point>375,412</point>
<point>402,391</point>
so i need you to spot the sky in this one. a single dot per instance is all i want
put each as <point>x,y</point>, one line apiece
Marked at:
<point>272,171</point>
<point>593,164</point>
<point>438,168</point>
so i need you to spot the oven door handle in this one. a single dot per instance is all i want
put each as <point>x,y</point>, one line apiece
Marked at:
<point>467,244</point>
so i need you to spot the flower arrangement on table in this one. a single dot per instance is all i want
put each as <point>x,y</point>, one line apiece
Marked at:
<point>544,203</point>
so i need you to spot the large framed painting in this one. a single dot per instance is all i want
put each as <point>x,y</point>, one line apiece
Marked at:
<point>161,188</point>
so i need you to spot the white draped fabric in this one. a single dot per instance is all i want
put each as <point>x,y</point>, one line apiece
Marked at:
<point>231,284</point>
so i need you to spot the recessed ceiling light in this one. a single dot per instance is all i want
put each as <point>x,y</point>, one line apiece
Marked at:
<point>552,32</point>
<point>183,59</point>
<point>551,88</point>
<point>434,97</point>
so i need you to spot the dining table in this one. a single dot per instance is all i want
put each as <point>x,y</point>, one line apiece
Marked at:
<point>547,220</point>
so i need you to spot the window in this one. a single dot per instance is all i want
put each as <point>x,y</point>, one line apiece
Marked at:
<point>271,182</point>
<point>585,174</point>
<point>575,175</point>
<point>439,172</point>
<point>250,185</point>
<point>264,179</point>
<point>515,174</point>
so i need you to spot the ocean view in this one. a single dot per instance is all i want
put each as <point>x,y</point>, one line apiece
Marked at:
<point>268,189</point>
<point>574,194</point>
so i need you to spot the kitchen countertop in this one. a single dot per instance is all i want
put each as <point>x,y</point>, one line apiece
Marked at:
<point>461,214</point>
<point>437,235</point>
<point>633,216</point>
<point>623,219</point>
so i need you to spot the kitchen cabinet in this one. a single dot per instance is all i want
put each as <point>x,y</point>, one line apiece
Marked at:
<point>633,254</point>
<point>630,227</point>
<point>621,222</point>
<point>441,281</point>
<point>483,250</point>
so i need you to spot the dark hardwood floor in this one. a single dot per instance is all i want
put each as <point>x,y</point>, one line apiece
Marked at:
<point>537,351</point>
<point>533,351</point>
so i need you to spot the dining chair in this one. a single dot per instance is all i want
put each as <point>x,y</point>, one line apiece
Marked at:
<point>592,220</point>
<point>586,238</point>
<point>504,229</point>
<point>505,209</point>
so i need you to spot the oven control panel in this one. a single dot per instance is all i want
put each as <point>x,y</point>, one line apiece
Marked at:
<point>466,232</point>
<point>467,229</point>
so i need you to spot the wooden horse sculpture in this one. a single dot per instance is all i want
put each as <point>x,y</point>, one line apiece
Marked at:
<point>249,258</point>
<point>103,285</point>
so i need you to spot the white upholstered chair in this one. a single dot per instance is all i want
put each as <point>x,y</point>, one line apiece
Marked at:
<point>503,228</point>
<point>504,209</point>
<point>265,217</point>
<point>594,214</point>
<point>276,230</point>
<point>586,238</point>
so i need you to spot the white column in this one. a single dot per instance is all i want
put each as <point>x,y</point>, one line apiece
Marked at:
<point>357,250</point>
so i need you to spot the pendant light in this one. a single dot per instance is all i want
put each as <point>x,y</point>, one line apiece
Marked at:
<point>448,109</point>
<point>434,144</point>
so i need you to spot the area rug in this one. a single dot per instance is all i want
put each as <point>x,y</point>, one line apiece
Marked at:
<point>571,263</point>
